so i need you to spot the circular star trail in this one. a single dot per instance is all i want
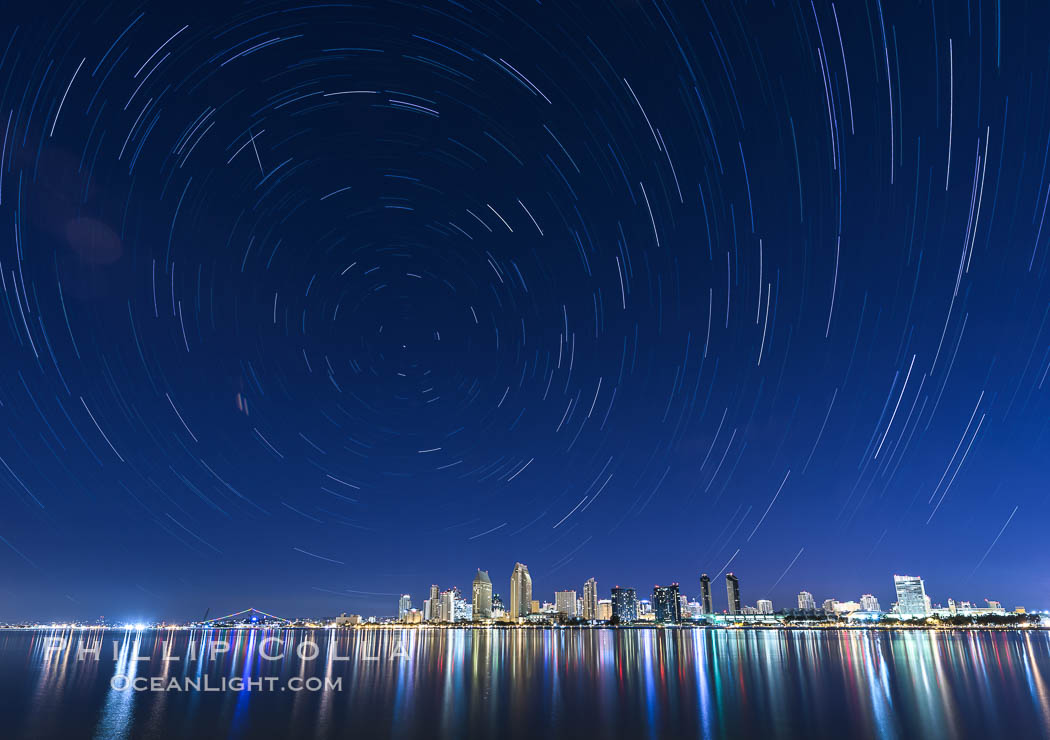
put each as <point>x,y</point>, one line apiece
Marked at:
<point>309,303</point>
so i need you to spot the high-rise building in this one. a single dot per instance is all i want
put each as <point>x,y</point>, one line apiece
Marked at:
<point>481,595</point>
<point>604,610</point>
<point>733,593</point>
<point>426,611</point>
<point>520,591</point>
<point>666,605</point>
<point>705,594</point>
<point>869,603</point>
<point>403,605</point>
<point>498,609</point>
<point>806,601</point>
<point>450,610</point>
<point>565,603</point>
<point>434,614</point>
<point>535,608</point>
<point>590,599</point>
<point>764,606</point>
<point>624,605</point>
<point>911,597</point>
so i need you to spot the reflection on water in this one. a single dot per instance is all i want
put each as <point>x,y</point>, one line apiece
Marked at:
<point>529,683</point>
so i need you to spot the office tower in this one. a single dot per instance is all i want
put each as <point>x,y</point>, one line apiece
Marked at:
<point>806,601</point>
<point>666,605</point>
<point>624,605</point>
<point>911,597</point>
<point>683,606</point>
<point>427,611</point>
<point>520,591</point>
<point>481,595</point>
<point>403,605</point>
<point>535,607</point>
<point>565,603</point>
<point>764,606</point>
<point>870,604</point>
<point>604,610</point>
<point>829,606</point>
<point>449,608</point>
<point>590,599</point>
<point>435,604</point>
<point>498,609</point>
<point>705,594</point>
<point>733,593</point>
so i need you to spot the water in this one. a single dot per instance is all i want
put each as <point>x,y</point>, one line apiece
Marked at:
<point>570,683</point>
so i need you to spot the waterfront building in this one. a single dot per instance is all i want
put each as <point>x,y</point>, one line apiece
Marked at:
<point>869,603</point>
<point>520,592</point>
<point>605,611</point>
<point>624,605</point>
<point>765,606</point>
<point>694,610</point>
<point>498,609</point>
<point>447,609</point>
<point>427,611</point>
<point>481,595</point>
<point>535,607</point>
<point>565,603</point>
<point>829,606</point>
<point>911,597</point>
<point>590,599</point>
<point>403,605</point>
<point>434,615</point>
<point>413,616</point>
<point>733,593</point>
<point>705,594</point>
<point>666,606</point>
<point>645,607</point>
<point>806,601</point>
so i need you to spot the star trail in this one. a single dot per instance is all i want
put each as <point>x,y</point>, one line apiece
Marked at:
<point>308,303</point>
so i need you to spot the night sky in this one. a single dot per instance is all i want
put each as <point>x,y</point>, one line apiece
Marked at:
<point>306,305</point>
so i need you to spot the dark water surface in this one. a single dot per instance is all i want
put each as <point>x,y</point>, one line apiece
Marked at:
<point>569,683</point>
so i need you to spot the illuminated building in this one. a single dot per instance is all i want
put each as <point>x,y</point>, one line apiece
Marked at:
<point>764,606</point>
<point>433,614</point>
<point>705,594</point>
<point>590,599</point>
<point>481,595</point>
<point>403,605</point>
<point>624,605</point>
<point>565,603</point>
<point>520,591</point>
<point>806,601</point>
<point>911,597</point>
<point>733,593</point>
<point>604,610</point>
<point>666,606</point>
<point>869,603</point>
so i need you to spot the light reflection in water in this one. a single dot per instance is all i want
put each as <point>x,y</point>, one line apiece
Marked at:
<point>554,683</point>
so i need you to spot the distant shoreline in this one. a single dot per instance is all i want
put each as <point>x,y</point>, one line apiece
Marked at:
<point>542,627</point>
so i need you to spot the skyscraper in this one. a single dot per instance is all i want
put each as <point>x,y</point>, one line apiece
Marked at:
<point>403,605</point>
<point>869,603</point>
<point>911,597</point>
<point>481,595</point>
<point>733,593</point>
<point>624,605</point>
<point>666,605</point>
<point>590,599</point>
<point>764,606</point>
<point>565,603</point>
<point>806,601</point>
<point>705,594</point>
<point>520,591</point>
<point>434,613</point>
